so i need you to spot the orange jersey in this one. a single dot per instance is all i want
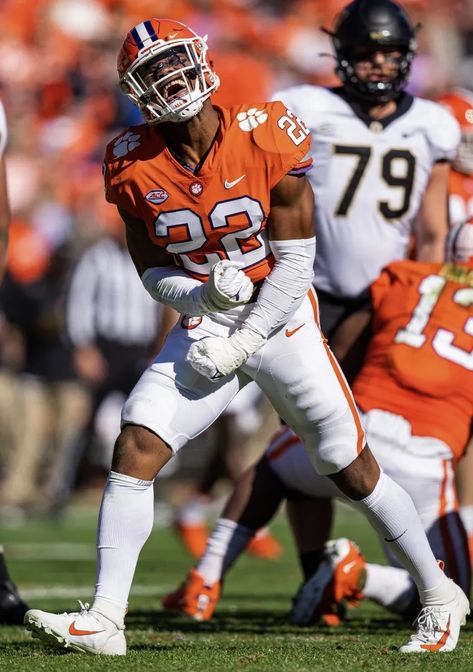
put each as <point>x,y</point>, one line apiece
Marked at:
<point>460,197</point>
<point>221,210</point>
<point>420,361</point>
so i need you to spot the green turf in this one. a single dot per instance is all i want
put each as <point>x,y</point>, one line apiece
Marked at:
<point>54,565</point>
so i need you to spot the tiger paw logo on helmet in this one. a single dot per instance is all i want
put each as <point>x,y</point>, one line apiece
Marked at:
<point>126,143</point>
<point>251,119</point>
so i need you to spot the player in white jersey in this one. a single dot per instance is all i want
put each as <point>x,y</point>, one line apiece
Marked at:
<point>382,159</point>
<point>12,608</point>
<point>371,180</point>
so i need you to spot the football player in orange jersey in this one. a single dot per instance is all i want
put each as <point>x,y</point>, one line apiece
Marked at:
<point>460,103</point>
<point>416,392</point>
<point>218,215</point>
<point>460,185</point>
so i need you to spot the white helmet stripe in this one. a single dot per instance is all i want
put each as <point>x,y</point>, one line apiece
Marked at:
<point>142,36</point>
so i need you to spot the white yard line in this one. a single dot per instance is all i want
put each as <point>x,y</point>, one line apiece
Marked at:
<point>46,550</point>
<point>82,593</point>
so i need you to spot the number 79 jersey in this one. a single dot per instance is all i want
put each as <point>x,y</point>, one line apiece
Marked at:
<point>420,359</point>
<point>369,181</point>
<point>221,210</point>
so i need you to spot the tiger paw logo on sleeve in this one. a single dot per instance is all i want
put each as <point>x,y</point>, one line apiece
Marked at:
<point>251,119</point>
<point>125,144</point>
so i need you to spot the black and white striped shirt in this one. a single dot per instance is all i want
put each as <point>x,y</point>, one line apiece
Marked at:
<point>106,299</point>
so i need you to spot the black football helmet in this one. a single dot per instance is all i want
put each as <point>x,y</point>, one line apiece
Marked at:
<point>373,24</point>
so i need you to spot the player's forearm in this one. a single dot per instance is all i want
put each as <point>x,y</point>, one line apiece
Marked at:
<point>285,287</point>
<point>174,288</point>
<point>431,249</point>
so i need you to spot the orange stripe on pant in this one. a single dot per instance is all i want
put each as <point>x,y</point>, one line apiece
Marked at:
<point>277,452</point>
<point>447,533</point>
<point>360,444</point>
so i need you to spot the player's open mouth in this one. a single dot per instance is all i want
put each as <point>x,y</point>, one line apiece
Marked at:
<point>174,89</point>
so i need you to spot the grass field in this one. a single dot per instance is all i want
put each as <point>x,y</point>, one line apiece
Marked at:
<point>54,566</point>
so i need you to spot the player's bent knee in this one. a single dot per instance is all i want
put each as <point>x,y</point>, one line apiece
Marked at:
<point>358,479</point>
<point>334,445</point>
<point>139,452</point>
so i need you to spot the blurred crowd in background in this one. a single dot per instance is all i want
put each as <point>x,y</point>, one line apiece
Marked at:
<point>58,398</point>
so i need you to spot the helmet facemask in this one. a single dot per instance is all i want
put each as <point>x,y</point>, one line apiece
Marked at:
<point>381,91</point>
<point>170,82</point>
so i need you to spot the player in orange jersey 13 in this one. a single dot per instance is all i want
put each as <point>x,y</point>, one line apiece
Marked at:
<point>460,197</point>
<point>219,221</point>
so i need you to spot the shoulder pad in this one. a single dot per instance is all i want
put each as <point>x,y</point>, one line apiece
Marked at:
<point>275,129</point>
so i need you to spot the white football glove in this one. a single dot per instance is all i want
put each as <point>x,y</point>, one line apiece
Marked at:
<point>226,287</point>
<point>216,357</point>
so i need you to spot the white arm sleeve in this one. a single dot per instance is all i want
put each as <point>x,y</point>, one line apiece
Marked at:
<point>174,288</point>
<point>285,287</point>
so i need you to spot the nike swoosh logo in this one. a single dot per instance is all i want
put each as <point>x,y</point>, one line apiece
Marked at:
<point>346,569</point>
<point>229,185</point>
<point>81,633</point>
<point>438,645</point>
<point>395,538</point>
<point>291,332</point>
<point>171,36</point>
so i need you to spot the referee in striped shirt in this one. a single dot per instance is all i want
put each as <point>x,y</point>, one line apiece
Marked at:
<point>115,328</point>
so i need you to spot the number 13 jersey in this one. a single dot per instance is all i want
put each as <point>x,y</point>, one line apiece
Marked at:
<point>369,180</point>
<point>219,211</point>
<point>419,362</point>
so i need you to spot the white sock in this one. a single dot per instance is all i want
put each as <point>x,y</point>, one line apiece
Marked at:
<point>442,593</point>
<point>227,540</point>
<point>193,512</point>
<point>391,587</point>
<point>392,513</point>
<point>466,514</point>
<point>125,523</point>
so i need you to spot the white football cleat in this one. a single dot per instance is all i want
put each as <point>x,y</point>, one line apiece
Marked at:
<point>438,626</point>
<point>85,631</point>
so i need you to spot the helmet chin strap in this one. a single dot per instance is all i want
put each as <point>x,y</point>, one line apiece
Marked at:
<point>188,112</point>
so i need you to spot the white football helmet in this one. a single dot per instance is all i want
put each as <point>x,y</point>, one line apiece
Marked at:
<point>459,102</point>
<point>163,69</point>
<point>460,242</point>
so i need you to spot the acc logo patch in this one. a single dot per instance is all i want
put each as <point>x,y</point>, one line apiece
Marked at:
<point>157,196</point>
<point>251,119</point>
<point>126,143</point>
<point>190,321</point>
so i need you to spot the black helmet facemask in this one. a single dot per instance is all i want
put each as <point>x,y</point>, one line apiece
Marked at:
<point>373,25</point>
